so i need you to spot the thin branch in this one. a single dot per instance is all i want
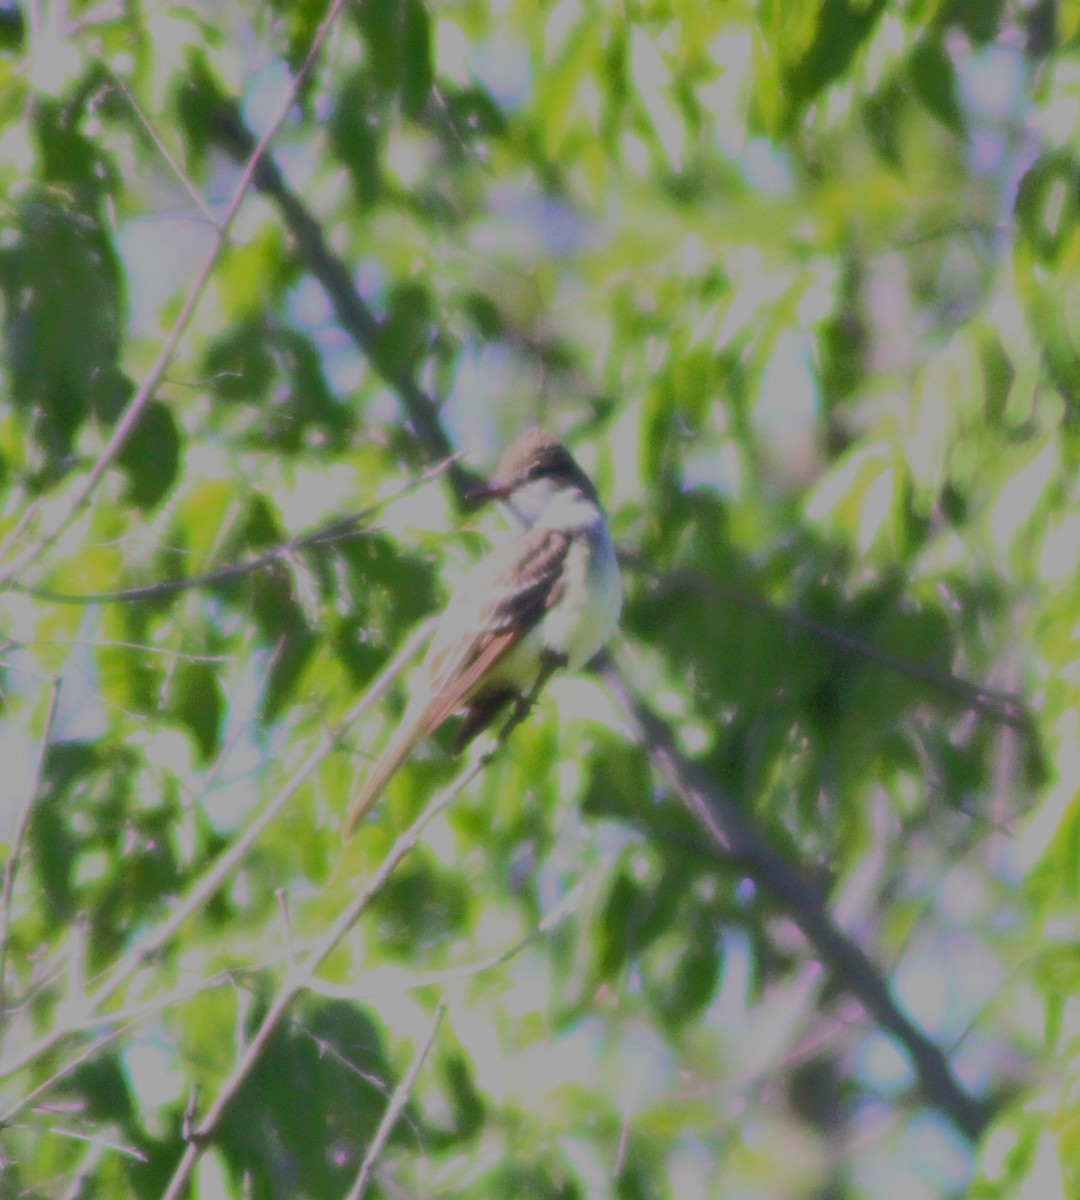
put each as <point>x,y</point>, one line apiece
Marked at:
<point>96,1140</point>
<point>329,990</point>
<point>394,1109</point>
<point>163,150</point>
<point>326,1049</point>
<point>223,867</point>
<point>739,843</point>
<point>999,706</point>
<point>109,643</point>
<point>286,925</point>
<point>79,1185</point>
<point>65,1069</point>
<point>332,531</point>
<point>129,418</point>
<point>298,979</point>
<point>22,823</point>
<point>29,514</point>
<point>346,991</point>
<point>163,1001</point>
<point>353,314</point>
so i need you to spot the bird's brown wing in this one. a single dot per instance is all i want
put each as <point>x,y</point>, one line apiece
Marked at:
<point>504,598</point>
<point>521,583</point>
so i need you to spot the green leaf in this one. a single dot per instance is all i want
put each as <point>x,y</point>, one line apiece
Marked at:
<point>637,909</point>
<point>1047,204</point>
<point>195,699</point>
<point>840,29</point>
<point>980,19</point>
<point>934,80</point>
<point>398,39</point>
<point>61,286</point>
<point>151,456</point>
<point>356,132</point>
<point>239,365</point>
<point>416,66</point>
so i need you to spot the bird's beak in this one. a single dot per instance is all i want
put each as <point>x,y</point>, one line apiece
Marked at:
<point>488,491</point>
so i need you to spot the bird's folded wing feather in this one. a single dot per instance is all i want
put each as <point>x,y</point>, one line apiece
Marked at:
<point>515,587</point>
<point>506,596</point>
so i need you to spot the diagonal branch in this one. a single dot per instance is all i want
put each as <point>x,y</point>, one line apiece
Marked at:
<point>299,978</point>
<point>222,869</point>
<point>1002,707</point>
<point>355,316</point>
<point>394,1109</point>
<point>21,825</point>
<point>131,415</point>
<point>738,842</point>
<point>336,530</point>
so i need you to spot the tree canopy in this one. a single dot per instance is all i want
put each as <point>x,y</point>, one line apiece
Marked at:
<point>781,898</point>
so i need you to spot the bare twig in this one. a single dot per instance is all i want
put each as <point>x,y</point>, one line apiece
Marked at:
<point>286,924</point>
<point>21,825</point>
<point>129,418</point>
<point>298,979</point>
<point>96,1140</point>
<point>394,1109</point>
<point>351,991</point>
<point>94,1154</point>
<point>222,868</point>
<point>109,643</point>
<point>332,531</point>
<point>739,843</point>
<point>29,514</point>
<point>65,1069</point>
<point>163,150</point>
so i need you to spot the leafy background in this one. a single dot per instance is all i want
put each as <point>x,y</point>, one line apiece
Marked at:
<point>783,903</point>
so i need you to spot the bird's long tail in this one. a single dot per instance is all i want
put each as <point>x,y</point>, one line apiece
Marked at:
<point>408,733</point>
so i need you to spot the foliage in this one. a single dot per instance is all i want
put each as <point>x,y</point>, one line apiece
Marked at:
<point>785,903</point>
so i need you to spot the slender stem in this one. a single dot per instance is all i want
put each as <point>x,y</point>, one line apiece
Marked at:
<point>999,706</point>
<point>65,1069</point>
<point>129,418</point>
<point>394,1109</point>
<point>332,531</point>
<point>21,825</point>
<point>298,979</point>
<point>222,868</point>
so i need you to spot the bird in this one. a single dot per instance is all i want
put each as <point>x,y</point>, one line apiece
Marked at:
<point>546,598</point>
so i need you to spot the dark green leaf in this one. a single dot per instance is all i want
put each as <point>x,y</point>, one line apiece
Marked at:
<point>934,80</point>
<point>416,66</point>
<point>842,27</point>
<point>1047,203</point>
<point>356,130</point>
<point>196,701</point>
<point>151,456</point>
<point>239,365</point>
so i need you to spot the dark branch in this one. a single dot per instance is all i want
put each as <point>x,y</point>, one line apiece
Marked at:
<point>354,315</point>
<point>740,844</point>
<point>999,706</point>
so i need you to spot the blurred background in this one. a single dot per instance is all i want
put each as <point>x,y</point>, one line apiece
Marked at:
<point>784,904</point>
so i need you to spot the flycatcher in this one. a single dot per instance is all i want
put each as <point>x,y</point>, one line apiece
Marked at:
<point>548,597</point>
